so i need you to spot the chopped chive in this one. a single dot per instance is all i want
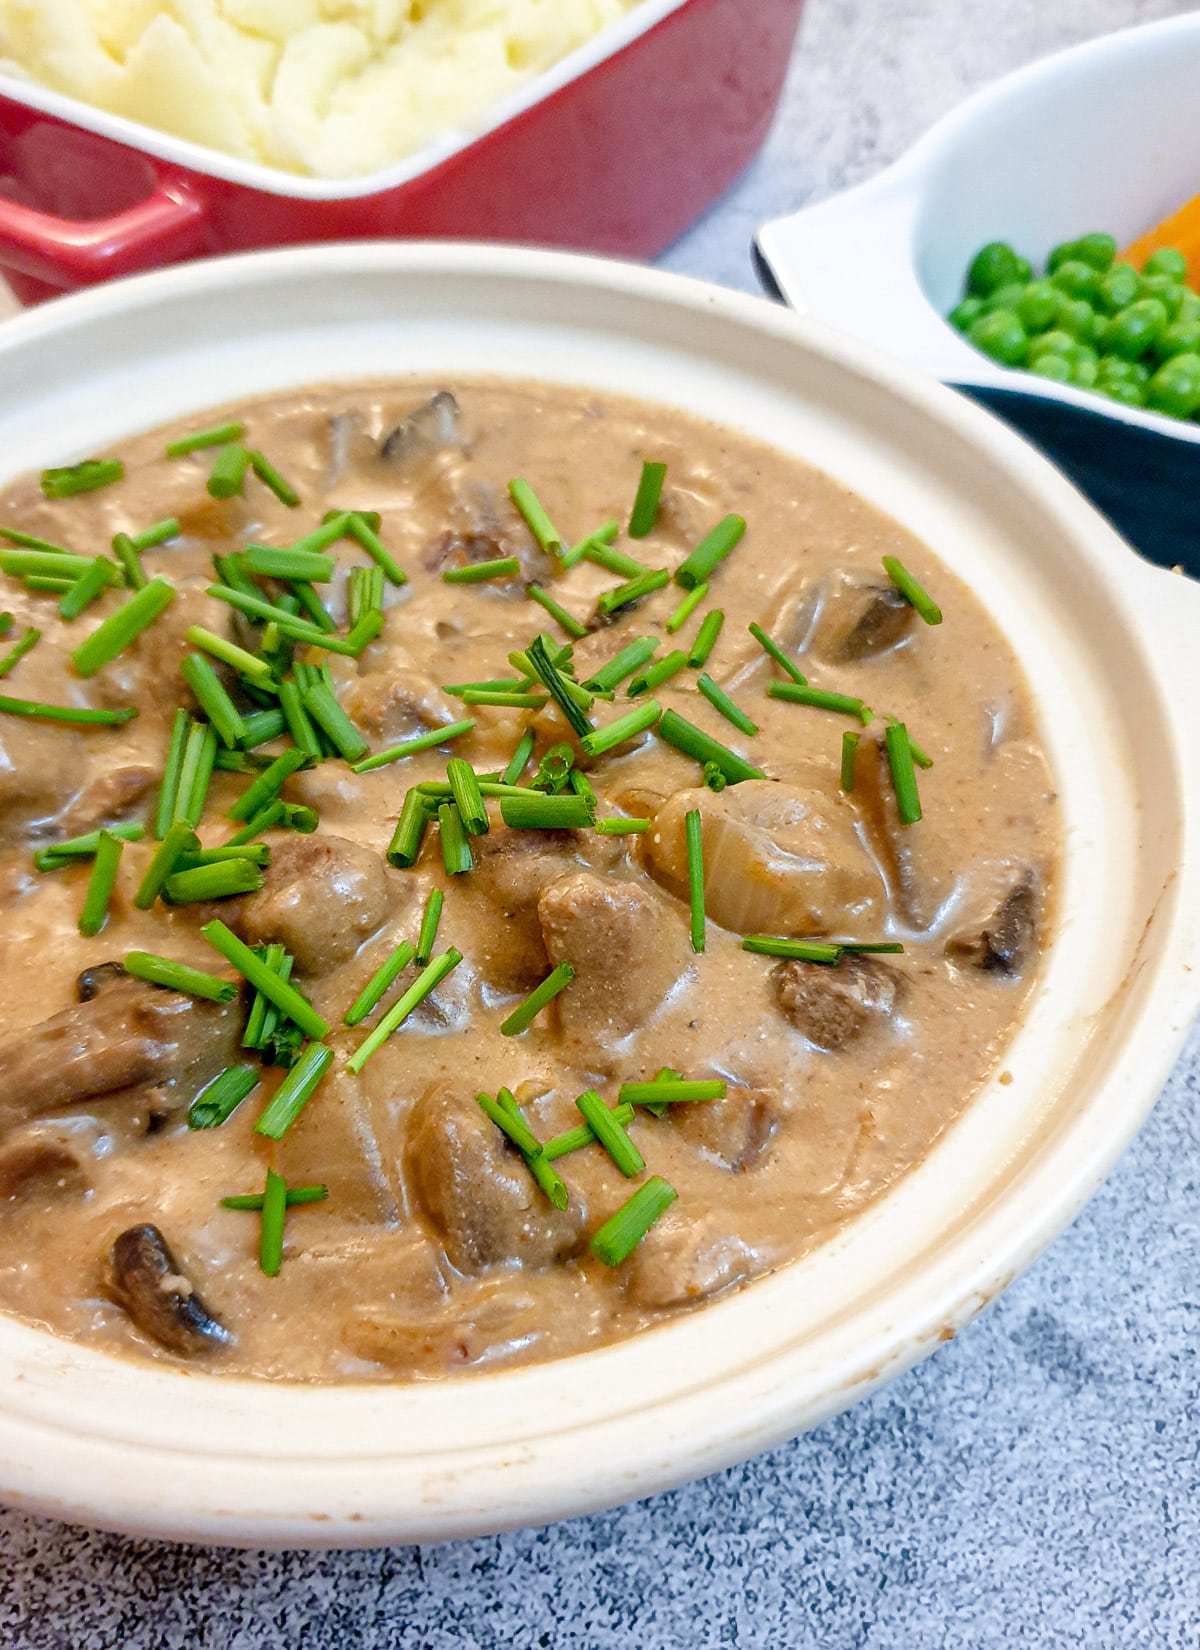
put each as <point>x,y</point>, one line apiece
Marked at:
<point>169,790</point>
<point>176,976</point>
<point>656,674</point>
<point>85,589</point>
<point>296,1090</point>
<point>70,480</point>
<point>510,701</point>
<point>610,1134</point>
<point>151,537</point>
<point>228,474</point>
<point>711,550</point>
<point>285,997</point>
<point>17,652</point>
<point>297,1197</point>
<point>536,519</point>
<point>686,608</point>
<point>65,713</point>
<point>632,591</point>
<point>299,724</point>
<point>231,570</point>
<point>430,977</point>
<point>126,553</point>
<point>695,862</point>
<point>275,562</point>
<point>236,761</point>
<point>501,567</point>
<point>367,538</point>
<point>547,813</point>
<point>55,564</point>
<point>849,760</point>
<point>103,880</point>
<point>429,926</point>
<point>539,1166</point>
<point>58,854</point>
<point>815,951</point>
<point>261,726</point>
<point>198,757</point>
<point>568,621</point>
<point>179,839</point>
<point>213,699</point>
<point>410,831</point>
<point>706,638</point>
<point>777,653</point>
<point>267,786</point>
<point>468,797</point>
<point>622,827</point>
<point>900,760</point>
<point>218,1100</point>
<point>582,786</point>
<point>622,1232</point>
<point>523,1015</point>
<point>602,536</point>
<point>56,587</point>
<point>720,700</point>
<point>911,590</point>
<point>558,686</point>
<point>645,505</point>
<point>270,477</point>
<point>492,684</point>
<point>860,948</point>
<point>219,881</point>
<point>456,850</point>
<point>672,1091</point>
<point>419,742</point>
<point>511,1123</point>
<point>796,694</point>
<point>918,755</point>
<point>437,791</point>
<point>660,1108</point>
<point>625,727</point>
<point>258,853</point>
<point>238,659</point>
<point>519,759</point>
<point>366,592</point>
<point>284,814</point>
<point>631,657</point>
<point>573,1140</point>
<point>329,716</point>
<point>689,739</point>
<point>379,982</point>
<point>114,634</point>
<point>264,1015</point>
<point>554,770</point>
<point>27,541</point>
<point>221,436</point>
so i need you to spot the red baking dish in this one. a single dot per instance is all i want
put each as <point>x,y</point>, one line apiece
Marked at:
<point>616,149</point>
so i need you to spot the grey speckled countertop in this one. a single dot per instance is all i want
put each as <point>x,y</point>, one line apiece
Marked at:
<point>1036,1483</point>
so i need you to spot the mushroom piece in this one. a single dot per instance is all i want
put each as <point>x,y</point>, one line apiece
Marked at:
<point>1006,940</point>
<point>145,1280</point>
<point>862,621</point>
<point>51,1159</point>
<point>107,797</point>
<point>322,897</point>
<point>511,869</point>
<point>838,1005</point>
<point>734,1132</point>
<point>432,425</point>
<point>684,1259</point>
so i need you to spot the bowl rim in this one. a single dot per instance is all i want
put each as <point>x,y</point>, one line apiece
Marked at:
<point>61,1468</point>
<point>198,158</point>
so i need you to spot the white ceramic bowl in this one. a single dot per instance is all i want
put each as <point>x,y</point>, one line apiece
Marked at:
<point>1104,136</point>
<point>1106,642</point>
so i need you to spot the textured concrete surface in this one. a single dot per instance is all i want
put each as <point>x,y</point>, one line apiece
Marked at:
<point>1036,1483</point>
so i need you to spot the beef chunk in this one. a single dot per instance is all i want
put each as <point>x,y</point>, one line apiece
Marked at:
<point>323,896</point>
<point>838,1005</point>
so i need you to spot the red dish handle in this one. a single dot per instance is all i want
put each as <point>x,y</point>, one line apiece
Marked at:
<point>69,252</point>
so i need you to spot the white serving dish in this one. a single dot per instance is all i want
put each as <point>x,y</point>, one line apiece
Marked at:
<point>1104,136</point>
<point>1107,643</point>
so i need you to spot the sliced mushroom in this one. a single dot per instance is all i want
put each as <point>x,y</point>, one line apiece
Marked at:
<point>838,1005</point>
<point>102,977</point>
<point>145,1280</point>
<point>432,425</point>
<point>684,1259</point>
<point>51,1160</point>
<point>862,622</point>
<point>734,1132</point>
<point>1006,941</point>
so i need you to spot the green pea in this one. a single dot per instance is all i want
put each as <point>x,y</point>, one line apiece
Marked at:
<point>1095,249</point>
<point>1136,329</point>
<point>1129,395</point>
<point>1166,261</point>
<point>1007,296</point>
<point>964,313</point>
<point>1175,387</point>
<point>1085,370</point>
<point>1180,338</point>
<point>1168,292</point>
<point>1189,305</point>
<point>991,267</point>
<point>1077,279</point>
<point>1000,335</point>
<point>1038,306</point>
<point>1114,369</point>
<point>1120,286</point>
<point>1024,270</point>
<point>1077,317</point>
<point>1056,342</point>
<point>1059,255</point>
<point>1049,365</point>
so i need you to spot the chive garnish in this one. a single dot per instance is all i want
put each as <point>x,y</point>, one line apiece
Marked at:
<point>27,541</point>
<point>613,560</point>
<point>554,770</point>
<point>777,653</point>
<point>686,608</point>
<point>770,945</point>
<point>510,701</point>
<point>379,982</point>
<point>169,789</point>
<point>689,739</point>
<point>285,997</point>
<point>177,976</point>
<point>325,711</point>
<point>911,590</point>
<point>706,638</point>
<point>296,1197</point>
<point>274,1214</point>
<point>151,537</point>
<point>17,652</point>
<point>539,1166</point>
<point>797,694</point>
<point>665,1074</point>
<point>631,657</point>
<point>366,593</point>
<point>501,567</point>
<point>56,564</point>
<point>366,536</point>
<point>85,589</point>
<point>511,1123</point>
<point>711,550</point>
<point>547,813</point>
<point>622,827</point>
<point>672,1091</point>
<point>468,798</point>
<point>430,977</point>
<point>286,815</point>
<point>625,727</point>
<point>645,505</point>
<point>237,658</point>
<point>410,831</point>
<point>437,791</point>
<point>720,700</point>
<point>519,758</point>
<point>558,687</point>
<point>622,1232</point>
<point>603,536</point>
<point>456,850</point>
<point>65,713</point>
<point>221,436</point>
<point>286,562</point>
<point>125,551</point>
<point>261,726</point>
<point>114,634</point>
<point>490,684</point>
<point>582,786</point>
<point>536,519</point>
<point>918,755</point>
<point>58,854</point>
<point>228,474</point>
<point>70,480</point>
<point>860,948</point>
<point>695,863</point>
<point>270,477</point>
<point>573,1140</point>
<point>264,1016</point>
<point>215,881</point>
<point>56,587</point>
<point>296,1090</point>
<point>217,1101</point>
<point>610,1134</point>
<point>194,779</point>
<point>257,853</point>
<point>429,926</point>
<point>849,760</point>
<point>568,621</point>
<point>178,840</point>
<point>656,674</point>
<point>299,724</point>
<point>103,879</point>
<point>904,779</point>
<point>633,590</point>
<point>267,786</point>
<point>419,742</point>
<point>213,699</point>
<point>524,1014</point>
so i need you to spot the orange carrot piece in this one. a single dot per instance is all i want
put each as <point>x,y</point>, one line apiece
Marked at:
<point>1181,230</point>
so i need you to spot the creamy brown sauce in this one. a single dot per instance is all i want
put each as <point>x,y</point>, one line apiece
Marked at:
<point>435,1251</point>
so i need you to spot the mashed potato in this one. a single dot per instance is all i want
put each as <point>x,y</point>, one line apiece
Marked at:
<point>333,88</point>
